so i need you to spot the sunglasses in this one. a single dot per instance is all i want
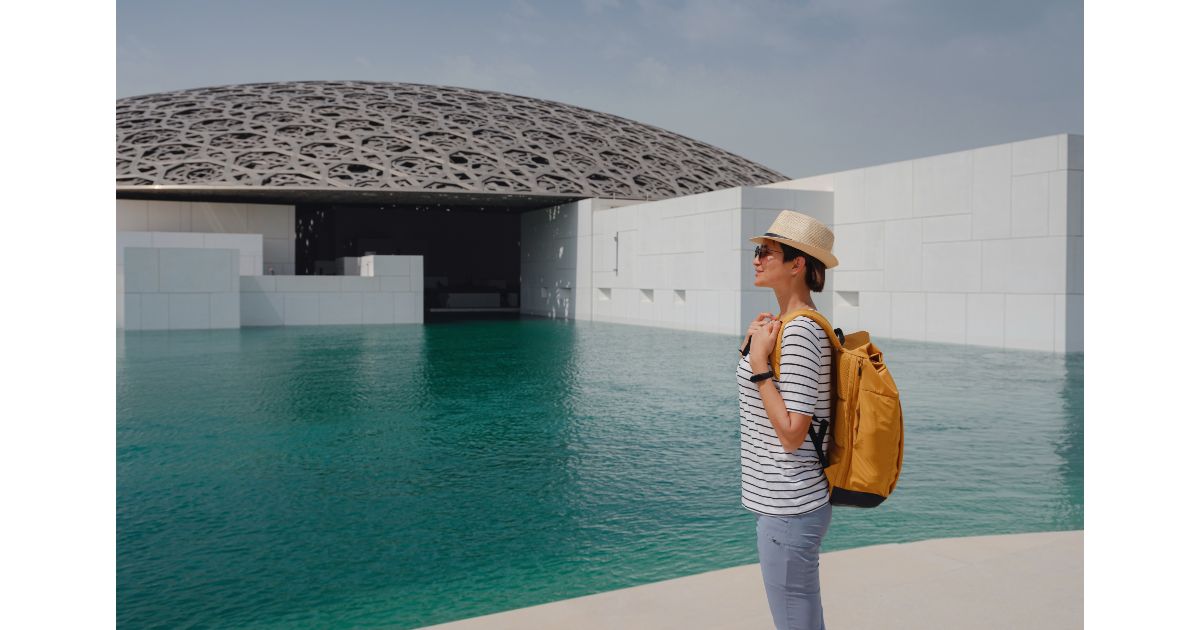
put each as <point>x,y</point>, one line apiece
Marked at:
<point>761,250</point>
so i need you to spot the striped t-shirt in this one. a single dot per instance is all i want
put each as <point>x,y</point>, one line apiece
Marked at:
<point>774,481</point>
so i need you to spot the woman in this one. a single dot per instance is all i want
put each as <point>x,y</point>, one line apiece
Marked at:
<point>783,482</point>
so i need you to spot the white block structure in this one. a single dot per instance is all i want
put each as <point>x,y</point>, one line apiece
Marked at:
<point>249,246</point>
<point>390,290</point>
<point>681,263</point>
<point>175,288</point>
<point>276,223</point>
<point>981,247</point>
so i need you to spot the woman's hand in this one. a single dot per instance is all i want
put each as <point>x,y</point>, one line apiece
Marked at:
<point>754,326</point>
<point>763,332</point>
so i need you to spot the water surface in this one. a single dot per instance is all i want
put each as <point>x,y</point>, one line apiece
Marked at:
<point>332,477</point>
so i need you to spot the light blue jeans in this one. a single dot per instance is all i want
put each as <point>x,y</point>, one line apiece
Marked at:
<point>788,548</point>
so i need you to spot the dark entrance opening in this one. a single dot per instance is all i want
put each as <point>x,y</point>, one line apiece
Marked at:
<point>472,255</point>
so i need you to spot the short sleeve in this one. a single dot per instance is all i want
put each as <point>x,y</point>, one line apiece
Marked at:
<point>804,345</point>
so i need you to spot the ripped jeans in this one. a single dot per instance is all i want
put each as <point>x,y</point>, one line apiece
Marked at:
<point>788,548</point>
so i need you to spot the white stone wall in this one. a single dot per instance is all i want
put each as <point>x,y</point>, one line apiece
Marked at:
<point>390,291</point>
<point>981,247</point>
<point>170,288</point>
<point>679,263</point>
<point>556,259</point>
<point>276,223</point>
<point>248,246</point>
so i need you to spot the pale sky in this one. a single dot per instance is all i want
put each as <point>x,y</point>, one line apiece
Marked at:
<point>801,87</point>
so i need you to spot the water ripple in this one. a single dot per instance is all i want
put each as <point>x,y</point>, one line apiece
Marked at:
<point>408,475</point>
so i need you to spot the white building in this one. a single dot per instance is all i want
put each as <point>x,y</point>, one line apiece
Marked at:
<point>360,203</point>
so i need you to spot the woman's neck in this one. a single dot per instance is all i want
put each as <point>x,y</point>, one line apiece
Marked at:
<point>791,299</point>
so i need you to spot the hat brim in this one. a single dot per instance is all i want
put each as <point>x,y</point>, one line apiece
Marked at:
<point>830,261</point>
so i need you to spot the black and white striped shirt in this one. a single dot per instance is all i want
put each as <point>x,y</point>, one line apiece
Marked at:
<point>774,481</point>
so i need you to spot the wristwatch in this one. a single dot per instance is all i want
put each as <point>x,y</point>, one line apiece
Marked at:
<point>762,377</point>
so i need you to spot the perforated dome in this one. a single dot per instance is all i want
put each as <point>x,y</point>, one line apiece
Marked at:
<point>399,137</point>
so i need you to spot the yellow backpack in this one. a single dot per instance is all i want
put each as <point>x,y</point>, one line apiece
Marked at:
<point>863,462</point>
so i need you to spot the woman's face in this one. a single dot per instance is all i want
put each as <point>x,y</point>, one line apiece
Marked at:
<point>770,269</point>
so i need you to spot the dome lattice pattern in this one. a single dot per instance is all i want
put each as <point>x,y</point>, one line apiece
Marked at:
<point>408,137</point>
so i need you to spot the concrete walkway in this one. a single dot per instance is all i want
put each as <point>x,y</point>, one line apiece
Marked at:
<point>1027,581</point>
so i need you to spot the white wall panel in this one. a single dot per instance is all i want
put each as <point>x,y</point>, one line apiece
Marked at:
<point>133,311</point>
<point>189,311</point>
<point>392,265</point>
<point>854,280</point>
<point>191,240</point>
<point>393,284</point>
<point>141,270</point>
<point>875,312</point>
<point>1029,322</point>
<point>942,185</point>
<point>359,284</point>
<point>132,239</point>
<point>1075,265</point>
<point>902,255</point>
<point>1037,265</point>
<point>154,311</point>
<point>850,198</point>
<point>219,217</point>
<point>1031,205</point>
<point>985,319</point>
<point>407,308</point>
<point>948,228</point>
<point>708,310</point>
<point>225,310</point>
<point>132,215</point>
<point>256,283</point>
<point>1056,203</point>
<point>1074,332</point>
<point>729,303</point>
<point>889,191</point>
<point>995,258</point>
<point>340,308</point>
<point>308,284</point>
<point>1070,153</point>
<point>946,317</point>
<point>991,192</point>
<point>301,309</point>
<point>908,316</point>
<point>859,246</point>
<point>951,267</point>
<point>378,308</point>
<point>168,216</point>
<point>197,270</point>
<point>1035,156</point>
<point>845,317</point>
<point>1075,218</point>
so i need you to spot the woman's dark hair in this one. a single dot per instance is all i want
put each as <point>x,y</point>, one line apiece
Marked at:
<point>814,270</point>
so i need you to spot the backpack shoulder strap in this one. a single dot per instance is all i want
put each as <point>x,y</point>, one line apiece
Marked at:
<point>835,343</point>
<point>834,334</point>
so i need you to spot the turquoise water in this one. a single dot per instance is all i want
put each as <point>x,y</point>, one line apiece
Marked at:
<point>410,475</point>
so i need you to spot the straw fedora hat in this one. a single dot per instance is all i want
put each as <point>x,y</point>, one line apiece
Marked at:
<point>804,233</point>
